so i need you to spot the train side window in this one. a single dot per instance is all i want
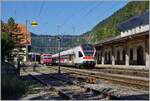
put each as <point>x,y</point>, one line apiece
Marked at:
<point>80,54</point>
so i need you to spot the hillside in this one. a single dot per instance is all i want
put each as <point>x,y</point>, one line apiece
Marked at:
<point>108,27</point>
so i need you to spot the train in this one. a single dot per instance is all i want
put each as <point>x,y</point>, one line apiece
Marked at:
<point>79,56</point>
<point>46,59</point>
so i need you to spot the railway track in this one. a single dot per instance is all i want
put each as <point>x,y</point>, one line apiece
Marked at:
<point>129,81</point>
<point>131,72</point>
<point>71,91</point>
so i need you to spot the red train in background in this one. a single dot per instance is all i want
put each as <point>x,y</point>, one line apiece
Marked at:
<point>46,59</point>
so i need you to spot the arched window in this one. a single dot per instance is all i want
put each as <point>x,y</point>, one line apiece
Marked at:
<point>140,57</point>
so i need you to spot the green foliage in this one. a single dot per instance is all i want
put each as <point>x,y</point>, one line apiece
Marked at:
<point>7,44</point>
<point>82,40</point>
<point>108,27</point>
<point>12,88</point>
<point>12,26</point>
<point>9,37</point>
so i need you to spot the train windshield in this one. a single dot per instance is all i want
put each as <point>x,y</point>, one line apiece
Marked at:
<point>46,57</point>
<point>88,49</point>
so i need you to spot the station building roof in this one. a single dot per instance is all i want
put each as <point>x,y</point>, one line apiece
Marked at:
<point>119,39</point>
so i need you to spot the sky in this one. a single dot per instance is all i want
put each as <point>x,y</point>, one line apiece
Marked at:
<point>59,17</point>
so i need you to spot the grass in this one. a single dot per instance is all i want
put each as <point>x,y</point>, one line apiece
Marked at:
<point>12,88</point>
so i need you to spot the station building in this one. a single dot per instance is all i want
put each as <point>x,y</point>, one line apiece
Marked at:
<point>130,49</point>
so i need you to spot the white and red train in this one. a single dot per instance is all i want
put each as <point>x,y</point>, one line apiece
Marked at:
<point>79,56</point>
<point>46,58</point>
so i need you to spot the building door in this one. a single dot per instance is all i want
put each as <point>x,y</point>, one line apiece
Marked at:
<point>118,57</point>
<point>140,57</point>
<point>97,58</point>
<point>109,57</point>
<point>131,56</point>
<point>123,56</point>
<point>105,61</point>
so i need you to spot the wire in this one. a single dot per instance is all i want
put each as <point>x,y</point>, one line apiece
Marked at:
<point>74,14</point>
<point>101,21</point>
<point>89,11</point>
<point>41,8</point>
<point>92,9</point>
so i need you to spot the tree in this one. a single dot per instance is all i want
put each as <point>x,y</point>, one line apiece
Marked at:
<point>9,39</point>
<point>7,45</point>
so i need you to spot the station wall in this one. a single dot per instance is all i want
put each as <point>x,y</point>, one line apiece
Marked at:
<point>129,52</point>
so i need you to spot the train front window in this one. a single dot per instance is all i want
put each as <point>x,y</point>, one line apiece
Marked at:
<point>88,49</point>
<point>88,53</point>
<point>47,57</point>
<point>80,54</point>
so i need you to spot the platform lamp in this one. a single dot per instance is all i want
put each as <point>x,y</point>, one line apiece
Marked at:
<point>59,43</point>
<point>34,24</point>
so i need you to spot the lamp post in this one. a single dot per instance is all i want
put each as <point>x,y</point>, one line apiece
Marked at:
<point>26,40</point>
<point>59,43</point>
<point>58,40</point>
<point>34,24</point>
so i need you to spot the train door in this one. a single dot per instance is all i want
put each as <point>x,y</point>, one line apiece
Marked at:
<point>78,57</point>
<point>140,56</point>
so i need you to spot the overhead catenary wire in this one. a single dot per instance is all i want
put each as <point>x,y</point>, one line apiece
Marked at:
<point>74,14</point>
<point>86,14</point>
<point>101,21</point>
<point>89,12</point>
<point>41,8</point>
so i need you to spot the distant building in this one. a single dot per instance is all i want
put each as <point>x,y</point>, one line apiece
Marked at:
<point>130,48</point>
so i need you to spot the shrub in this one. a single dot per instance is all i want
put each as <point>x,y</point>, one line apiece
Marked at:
<point>12,87</point>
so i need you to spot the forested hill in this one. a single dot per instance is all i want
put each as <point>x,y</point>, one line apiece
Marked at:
<point>108,27</point>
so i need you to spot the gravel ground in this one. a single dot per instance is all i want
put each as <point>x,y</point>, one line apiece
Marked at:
<point>39,92</point>
<point>118,90</point>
